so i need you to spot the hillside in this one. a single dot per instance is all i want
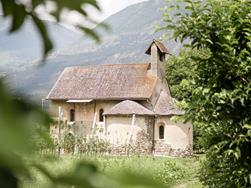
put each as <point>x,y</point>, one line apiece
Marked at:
<point>19,49</point>
<point>132,30</point>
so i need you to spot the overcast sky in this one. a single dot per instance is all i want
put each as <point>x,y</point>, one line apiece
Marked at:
<point>110,7</point>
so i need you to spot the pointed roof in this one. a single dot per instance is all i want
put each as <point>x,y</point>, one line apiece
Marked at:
<point>128,107</point>
<point>166,106</point>
<point>160,46</point>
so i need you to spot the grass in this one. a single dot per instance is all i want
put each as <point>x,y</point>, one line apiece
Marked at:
<point>173,172</point>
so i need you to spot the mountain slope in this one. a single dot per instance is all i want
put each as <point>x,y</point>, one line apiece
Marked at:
<point>132,30</point>
<point>19,48</point>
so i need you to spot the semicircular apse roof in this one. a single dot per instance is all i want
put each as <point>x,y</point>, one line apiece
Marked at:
<point>128,107</point>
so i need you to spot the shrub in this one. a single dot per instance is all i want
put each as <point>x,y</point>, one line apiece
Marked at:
<point>69,143</point>
<point>169,172</point>
<point>92,146</point>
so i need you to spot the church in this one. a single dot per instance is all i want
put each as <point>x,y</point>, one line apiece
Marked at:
<point>123,104</point>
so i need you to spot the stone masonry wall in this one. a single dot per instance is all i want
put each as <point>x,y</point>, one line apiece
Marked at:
<point>163,149</point>
<point>178,138</point>
<point>142,140</point>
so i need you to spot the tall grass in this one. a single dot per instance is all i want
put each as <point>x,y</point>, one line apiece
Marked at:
<point>169,171</point>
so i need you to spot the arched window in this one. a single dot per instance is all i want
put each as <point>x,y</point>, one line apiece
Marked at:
<point>72,115</point>
<point>161,132</point>
<point>101,117</point>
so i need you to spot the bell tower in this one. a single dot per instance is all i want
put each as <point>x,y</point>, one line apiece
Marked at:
<point>158,53</point>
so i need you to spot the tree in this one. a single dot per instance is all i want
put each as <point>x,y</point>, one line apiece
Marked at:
<point>221,98</point>
<point>180,74</point>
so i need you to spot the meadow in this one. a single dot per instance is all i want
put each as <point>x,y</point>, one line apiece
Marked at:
<point>172,172</point>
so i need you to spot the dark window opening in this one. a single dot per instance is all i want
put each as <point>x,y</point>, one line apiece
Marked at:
<point>161,132</point>
<point>101,116</point>
<point>162,57</point>
<point>72,115</point>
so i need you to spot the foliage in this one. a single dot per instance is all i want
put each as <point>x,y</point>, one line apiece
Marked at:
<point>68,170</point>
<point>166,170</point>
<point>69,143</point>
<point>221,98</point>
<point>198,138</point>
<point>170,172</point>
<point>163,170</point>
<point>43,144</point>
<point>70,140</point>
<point>17,128</point>
<point>180,74</point>
<point>19,11</point>
<point>93,146</point>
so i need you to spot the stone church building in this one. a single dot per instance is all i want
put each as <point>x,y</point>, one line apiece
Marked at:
<point>123,104</point>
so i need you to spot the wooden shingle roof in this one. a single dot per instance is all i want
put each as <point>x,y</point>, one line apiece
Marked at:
<point>160,46</point>
<point>128,107</point>
<point>116,81</point>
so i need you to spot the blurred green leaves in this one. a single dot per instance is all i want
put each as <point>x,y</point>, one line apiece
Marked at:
<point>19,122</point>
<point>18,11</point>
<point>44,35</point>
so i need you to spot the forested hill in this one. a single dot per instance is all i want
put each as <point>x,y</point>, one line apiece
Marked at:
<point>132,30</point>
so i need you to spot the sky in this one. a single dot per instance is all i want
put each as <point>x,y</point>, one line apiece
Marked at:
<point>110,7</point>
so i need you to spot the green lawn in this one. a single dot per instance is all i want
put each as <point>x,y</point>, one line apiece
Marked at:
<point>173,172</point>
